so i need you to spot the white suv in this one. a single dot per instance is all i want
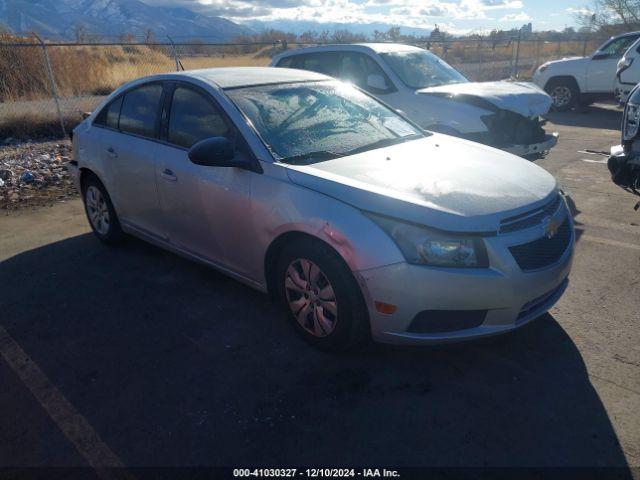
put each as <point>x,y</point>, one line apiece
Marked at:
<point>583,80</point>
<point>435,95</point>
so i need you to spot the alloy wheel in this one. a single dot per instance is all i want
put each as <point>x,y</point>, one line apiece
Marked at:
<point>97,209</point>
<point>311,297</point>
<point>561,96</point>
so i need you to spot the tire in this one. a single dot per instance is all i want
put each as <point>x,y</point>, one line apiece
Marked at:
<point>100,212</point>
<point>321,296</point>
<point>564,93</point>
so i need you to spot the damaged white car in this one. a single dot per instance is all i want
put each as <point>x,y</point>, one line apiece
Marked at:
<point>506,115</point>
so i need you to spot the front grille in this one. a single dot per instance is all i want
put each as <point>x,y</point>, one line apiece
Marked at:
<point>530,218</point>
<point>510,128</point>
<point>544,251</point>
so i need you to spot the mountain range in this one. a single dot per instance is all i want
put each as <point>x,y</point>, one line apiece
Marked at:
<point>300,26</point>
<point>60,19</point>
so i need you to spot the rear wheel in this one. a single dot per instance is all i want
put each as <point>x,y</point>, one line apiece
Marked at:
<point>100,212</point>
<point>564,93</point>
<point>321,295</point>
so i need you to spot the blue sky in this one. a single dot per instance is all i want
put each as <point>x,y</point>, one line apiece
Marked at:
<point>456,16</point>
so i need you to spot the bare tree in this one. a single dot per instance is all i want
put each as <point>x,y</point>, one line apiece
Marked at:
<point>81,33</point>
<point>149,36</point>
<point>393,34</point>
<point>612,16</point>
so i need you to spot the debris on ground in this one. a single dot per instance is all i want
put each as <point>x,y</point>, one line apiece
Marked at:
<point>34,173</point>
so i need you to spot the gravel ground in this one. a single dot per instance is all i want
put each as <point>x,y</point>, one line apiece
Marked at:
<point>34,173</point>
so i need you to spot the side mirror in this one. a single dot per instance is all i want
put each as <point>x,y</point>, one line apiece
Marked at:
<point>213,152</point>
<point>377,82</point>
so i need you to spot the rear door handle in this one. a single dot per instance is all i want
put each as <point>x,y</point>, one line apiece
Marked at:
<point>112,153</point>
<point>169,175</point>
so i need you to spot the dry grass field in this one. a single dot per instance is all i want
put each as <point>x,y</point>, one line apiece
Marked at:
<point>84,74</point>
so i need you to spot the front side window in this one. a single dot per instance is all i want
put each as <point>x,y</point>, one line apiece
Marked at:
<point>617,46</point>
<point>193,117</point>
<point>315,121</point>
<point>139,110</point>
<point>422,69</point>
<point>356,68</point>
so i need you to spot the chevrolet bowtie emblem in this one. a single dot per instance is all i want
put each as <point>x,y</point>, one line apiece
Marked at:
<point>551,227</point>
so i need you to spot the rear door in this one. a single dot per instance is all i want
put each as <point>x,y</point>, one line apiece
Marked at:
<point>129,146</point>
<point>207,210</point>
<point>601,70</point>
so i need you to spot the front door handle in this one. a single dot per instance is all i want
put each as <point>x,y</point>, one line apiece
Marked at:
<point>112,153</point>
<point>168,174</point>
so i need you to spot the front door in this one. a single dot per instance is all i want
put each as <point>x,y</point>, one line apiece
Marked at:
<point>601,70</point>
<point>207,210</point>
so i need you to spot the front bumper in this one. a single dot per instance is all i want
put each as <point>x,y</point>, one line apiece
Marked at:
<point>550,141</point>
<point>510,297</point>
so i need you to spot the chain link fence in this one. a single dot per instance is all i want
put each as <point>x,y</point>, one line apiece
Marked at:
<point>46,87</point>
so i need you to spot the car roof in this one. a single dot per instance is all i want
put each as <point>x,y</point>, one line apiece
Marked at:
<point>363,47</point>
<point>622,35</point>
<point>234,77</point>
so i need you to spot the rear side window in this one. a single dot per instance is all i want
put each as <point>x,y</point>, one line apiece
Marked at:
<point>109,115</point>
<point>194,117</point>
<point>140,109</point>
<point>285,62</point>
<point>324,62</point>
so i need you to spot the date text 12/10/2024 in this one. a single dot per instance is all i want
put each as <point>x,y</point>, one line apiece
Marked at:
<point>316,472</point>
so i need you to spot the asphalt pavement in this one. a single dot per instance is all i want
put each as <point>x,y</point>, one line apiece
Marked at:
<point>133,356</point>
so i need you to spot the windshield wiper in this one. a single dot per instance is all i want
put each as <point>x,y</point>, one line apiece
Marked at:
<point>311,157</point>
<point>384,142</point>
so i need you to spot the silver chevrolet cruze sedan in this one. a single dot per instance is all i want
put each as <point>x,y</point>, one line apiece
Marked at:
<point>362,224</point>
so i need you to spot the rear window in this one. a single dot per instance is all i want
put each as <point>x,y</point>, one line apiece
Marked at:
<point>110,114</point>
<point>323,62</point>
<point>139,110</point>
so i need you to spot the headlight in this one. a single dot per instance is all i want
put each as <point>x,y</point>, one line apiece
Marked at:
<point>423,246</point>
<point>542,68</point>
<point>630,122</point>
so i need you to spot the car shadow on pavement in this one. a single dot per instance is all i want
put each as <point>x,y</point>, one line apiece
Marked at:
<point>593,116</point>
<point>175,364</point>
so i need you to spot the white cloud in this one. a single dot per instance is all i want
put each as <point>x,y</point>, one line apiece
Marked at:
<point>516,17</point>
<point>578,11</point>
<point>411,13</point>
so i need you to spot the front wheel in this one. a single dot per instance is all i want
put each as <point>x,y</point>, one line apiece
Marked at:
<point>322,297</point>
<point>564,93</point>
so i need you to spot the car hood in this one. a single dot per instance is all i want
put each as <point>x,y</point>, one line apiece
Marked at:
<point>523,98</point>
<point>440,181</point>
<point>569,65</point>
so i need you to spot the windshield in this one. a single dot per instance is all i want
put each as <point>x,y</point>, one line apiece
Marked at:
<point>421,69</point>
<point>314,121</point>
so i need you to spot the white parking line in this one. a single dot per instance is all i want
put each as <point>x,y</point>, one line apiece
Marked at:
<point>72,424</point>
<point>589,160</point>
<point>613,243</point>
